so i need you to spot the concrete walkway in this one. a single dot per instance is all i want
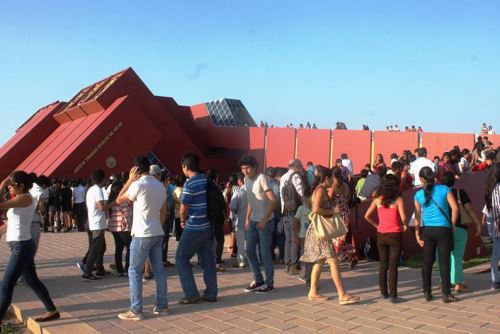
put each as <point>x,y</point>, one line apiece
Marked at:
<point>92,307</point>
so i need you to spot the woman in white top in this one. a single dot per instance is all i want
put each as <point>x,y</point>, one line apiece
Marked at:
<point>21,208</point>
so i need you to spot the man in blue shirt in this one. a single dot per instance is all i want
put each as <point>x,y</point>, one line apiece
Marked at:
<point>197,234</point>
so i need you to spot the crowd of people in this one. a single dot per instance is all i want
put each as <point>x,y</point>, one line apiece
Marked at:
<point>267,215</point>
<point>487,130</point>
<point>395,128</point>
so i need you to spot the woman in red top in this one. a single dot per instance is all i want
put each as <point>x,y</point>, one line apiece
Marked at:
<point>389,206</point>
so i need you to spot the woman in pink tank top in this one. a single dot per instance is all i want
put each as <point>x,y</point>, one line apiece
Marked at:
<point>390,228</point>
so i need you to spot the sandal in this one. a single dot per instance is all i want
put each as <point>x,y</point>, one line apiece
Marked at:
<point>462,289</point>
<point>349,300</point>
<point>319,298</point>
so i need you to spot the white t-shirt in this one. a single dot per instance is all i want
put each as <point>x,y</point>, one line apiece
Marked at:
<point>38,193</point>
<point>416,166</point>
<point>348,164</point>
<point>464,165</point>
<point>79,194</point>
<point>19,223</point>
<point>97,217</point>
<point>148,195</point>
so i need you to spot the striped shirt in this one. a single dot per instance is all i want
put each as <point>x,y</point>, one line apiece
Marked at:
<point>194,194</point>
<point>119,218</point>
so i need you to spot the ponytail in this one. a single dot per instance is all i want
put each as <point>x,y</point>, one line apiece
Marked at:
<point>427,174</point>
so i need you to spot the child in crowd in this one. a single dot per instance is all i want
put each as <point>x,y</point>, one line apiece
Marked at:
<point>300,226</point>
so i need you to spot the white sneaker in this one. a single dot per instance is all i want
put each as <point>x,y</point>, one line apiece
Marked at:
<point>161,311</point>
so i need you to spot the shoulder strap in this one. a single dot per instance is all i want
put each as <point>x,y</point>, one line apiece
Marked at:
<point>442,211</point>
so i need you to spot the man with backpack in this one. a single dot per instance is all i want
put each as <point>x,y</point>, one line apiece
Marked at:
<point>197,234</point>
<point>292,188</point>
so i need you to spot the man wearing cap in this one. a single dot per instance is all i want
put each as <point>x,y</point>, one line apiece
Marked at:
<point>292,189</point>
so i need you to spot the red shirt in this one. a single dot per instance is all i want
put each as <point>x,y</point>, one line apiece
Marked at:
<point>388,221</point>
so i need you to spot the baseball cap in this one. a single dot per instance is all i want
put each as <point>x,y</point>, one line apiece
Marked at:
<point>154,170</point>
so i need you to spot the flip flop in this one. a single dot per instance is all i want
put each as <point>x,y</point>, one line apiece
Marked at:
<point>464,289</point>
<point>350,300</point>
<point>318,298</point>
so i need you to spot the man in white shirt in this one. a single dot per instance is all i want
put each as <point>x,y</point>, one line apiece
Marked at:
<point>79,204</point>
<point>346,162</point>
<point>419,163</point>
<point>150,211</point>
<point>97,227</point>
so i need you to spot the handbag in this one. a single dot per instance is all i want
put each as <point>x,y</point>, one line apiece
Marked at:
<point>465,217</point>
<point>327,228</point>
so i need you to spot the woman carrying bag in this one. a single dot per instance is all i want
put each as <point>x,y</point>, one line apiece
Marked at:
<point>434,230</point>
<point>318,250</point>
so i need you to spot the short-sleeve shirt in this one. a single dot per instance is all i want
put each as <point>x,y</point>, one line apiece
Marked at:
<point>194,194</point>
<point>431,215</point>
<point>256,189</point>
<point>97,217</point>
<point>303,215</point>
<point>148,195</point>
<point>38,194</point>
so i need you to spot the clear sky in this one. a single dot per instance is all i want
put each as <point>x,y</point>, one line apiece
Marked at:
<point>429,63</point>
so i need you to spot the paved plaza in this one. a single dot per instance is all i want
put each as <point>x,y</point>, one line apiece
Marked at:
<point>92,307</point>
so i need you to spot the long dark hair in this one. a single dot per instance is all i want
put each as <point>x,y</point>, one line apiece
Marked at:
<point>116,187</point>
<point>322,173</point>
<point>493,179</point>
<point>389,189</point>
<point>20,177</point>
<point>428,175</point>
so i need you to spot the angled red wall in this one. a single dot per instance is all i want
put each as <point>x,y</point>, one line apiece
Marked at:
<point>437,143</point>
<point>313,145</point>
<point>28,137</point>
<point>387,143</point>
<point>357,145</point>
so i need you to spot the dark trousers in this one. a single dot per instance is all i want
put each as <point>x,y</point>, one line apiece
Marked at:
<point>122,240</point>
<point>80,212</point>
<point>278,239</point>
<point>178,229</point>
<point>22,263</point>
<point>95,254</point>
<point>389,250</point>
<point>219,240</point>
<point>437,238</point>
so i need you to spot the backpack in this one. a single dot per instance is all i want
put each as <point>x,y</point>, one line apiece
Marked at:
<point>291,199</point>
<point>216,205</point>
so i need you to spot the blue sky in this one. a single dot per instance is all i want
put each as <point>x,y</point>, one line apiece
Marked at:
<point>429,63</point>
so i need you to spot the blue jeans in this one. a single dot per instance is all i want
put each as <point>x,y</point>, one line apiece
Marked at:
<point>265,238</point>
<point>495,254</point>
<point>22,263</point>
<point>200,242</point>
<point>140,250</point>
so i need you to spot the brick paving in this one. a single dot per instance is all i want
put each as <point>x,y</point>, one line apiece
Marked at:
<point>92,307</point>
